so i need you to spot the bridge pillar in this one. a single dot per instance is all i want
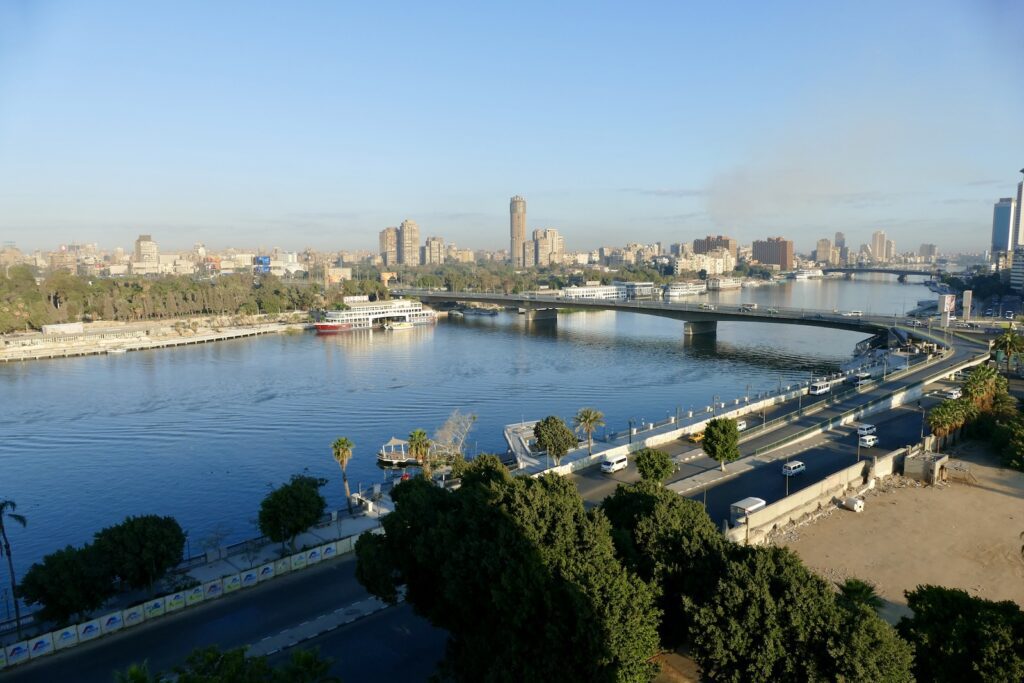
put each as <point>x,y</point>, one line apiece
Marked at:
<point>537,314</point>
<point>700,327</point>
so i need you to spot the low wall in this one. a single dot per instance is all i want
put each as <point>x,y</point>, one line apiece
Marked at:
<point>117,620</point>
<point>815,498</point>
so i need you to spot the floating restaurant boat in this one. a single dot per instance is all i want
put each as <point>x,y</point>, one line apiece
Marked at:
<point>363,315</point>
<point>394,454</point>
<point>807,274</point>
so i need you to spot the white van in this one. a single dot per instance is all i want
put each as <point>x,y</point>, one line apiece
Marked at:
<point>869,441</point>
<point>793,468</point>
<point>741,425</point>
<point>852,314</point>
<point>866,429</point>
<point>739,510</point>
<point>614,464</point>
<point>819,388</point>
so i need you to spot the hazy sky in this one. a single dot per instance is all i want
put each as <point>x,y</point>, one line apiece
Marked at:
<point>299,124</point>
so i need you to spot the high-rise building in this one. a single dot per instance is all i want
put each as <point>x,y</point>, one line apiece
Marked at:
<point>517,228</point>
<point>928,251</point>
<point>389,246</point>
<point>840,240</point>
<point>1003,220</point>
<point>548,247</point>
<point>774,250</point>
<point>890,250</point>
<point>1018,239</point>
<point>878,245</point>
<point>433,251</point>
<point>1017,270</point>
<point>703,246</point>
<point>146,249</point>
<point>409,243</point>
<point>823,251</point>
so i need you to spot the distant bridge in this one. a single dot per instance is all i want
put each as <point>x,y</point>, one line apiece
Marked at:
<point>699,318</point>
<point>902,273</point>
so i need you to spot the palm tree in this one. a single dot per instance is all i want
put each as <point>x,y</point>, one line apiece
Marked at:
<point>7,510</point>
<point>419,448</point>
<point>342,448</point>
<point>853,592</point>
<point>1009,343</point>
<point>587,421</point>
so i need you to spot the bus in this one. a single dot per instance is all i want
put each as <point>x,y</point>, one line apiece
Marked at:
<point>820,387</point>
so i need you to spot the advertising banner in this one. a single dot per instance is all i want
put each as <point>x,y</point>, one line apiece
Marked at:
<point>282,566</point>
<point>267,571</point>
<point>174,602</point>
<point>194,595</point>
<point>232,583</point>
<point>17,653</point>
<point>134,615</point>
<point>329,550</point>
<point>154,608</point>
<point>313,556</point>
<point>112,622</point>
<point>40,646</point>
<point>344,545</point>
<point>250,577</point>
<point>298,561</point>
<point>213,589</point>
<point>88,630</point>
<point>65,637</point>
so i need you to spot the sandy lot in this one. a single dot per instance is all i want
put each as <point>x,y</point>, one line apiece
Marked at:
<point>957,535</point>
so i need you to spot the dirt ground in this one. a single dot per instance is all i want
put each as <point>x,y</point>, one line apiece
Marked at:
<point>957,535</point>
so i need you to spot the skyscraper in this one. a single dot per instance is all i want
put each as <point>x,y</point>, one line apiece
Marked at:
<point>409,243</point>
<point>1003,220</point>
<point>774,250</point>
<point>878,245</point>
<point>840,240</point>
<point>389,246</point>
<point>517,228</point>
<point>433,251</point>
<point>823,251</point>
<point>1018,239</point>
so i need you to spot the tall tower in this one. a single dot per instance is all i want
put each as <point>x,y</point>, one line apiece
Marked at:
<point>517,227</point>
<point>409,243</point>
<point>1018,239</point>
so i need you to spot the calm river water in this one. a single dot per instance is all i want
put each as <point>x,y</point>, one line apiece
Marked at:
<point>202,432</point>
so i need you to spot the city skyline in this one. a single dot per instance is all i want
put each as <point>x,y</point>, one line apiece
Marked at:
<point>108,129</point>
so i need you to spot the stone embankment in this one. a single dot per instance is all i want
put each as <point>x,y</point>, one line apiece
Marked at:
<point>115,338</point>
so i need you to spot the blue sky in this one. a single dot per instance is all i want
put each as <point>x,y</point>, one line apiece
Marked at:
<point>319,123</point>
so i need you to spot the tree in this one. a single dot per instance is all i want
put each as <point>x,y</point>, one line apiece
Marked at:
<point>141,549</point>
<point>554,437</point>
<point>654,465</point>
<point>722,440</point>
<point>342,449</point>
<point>1008,343</point>
<point>292,508</point>
<point>855,592</point>
<point>958,637</point>
<point>8,511</point>
<point>136,673</point>
<point>450,437</point>
<point>671,543</point>
<point>213,665</point>
<point>419,448</point>
<point>522,576</point>
<point>586,421</point>
<point>67,583</point>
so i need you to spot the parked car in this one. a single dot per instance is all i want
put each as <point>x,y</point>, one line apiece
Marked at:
<point>793,468</point>
<point>953,393</point>
<point>749,307</point>
<point>741,425</point>
<point>614,464</point>
<point>866,429</point>
<point>869,441</point>
<point>696,437</point>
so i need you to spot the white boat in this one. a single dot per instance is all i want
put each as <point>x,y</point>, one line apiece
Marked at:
<point>398,325</point>
<point>678,290</point>
<point>362,315</point>
<point>807,274</point>
<point>394,454</point>
<point>716,284</point>
<point>117,350</point>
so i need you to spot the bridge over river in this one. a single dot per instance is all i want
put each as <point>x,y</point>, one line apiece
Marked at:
<point>700,318</point>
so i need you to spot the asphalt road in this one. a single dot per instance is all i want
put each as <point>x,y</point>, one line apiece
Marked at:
<point>229,622</point>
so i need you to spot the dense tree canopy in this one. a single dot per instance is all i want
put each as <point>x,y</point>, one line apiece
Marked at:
<point>962,638</point>
<point>67,583</point>
<point>524,579</point>
<point>654,465</point>
<point>722,440</point>
<point>554,437</point>
<point>140,550</point>
<point>292,508</point>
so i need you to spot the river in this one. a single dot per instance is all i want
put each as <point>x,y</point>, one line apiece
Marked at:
<point>203,432</point>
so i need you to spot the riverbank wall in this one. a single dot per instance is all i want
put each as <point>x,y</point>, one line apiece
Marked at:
<point>112,338</point>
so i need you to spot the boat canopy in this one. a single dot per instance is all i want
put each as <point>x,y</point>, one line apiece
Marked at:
<point>393,444</point>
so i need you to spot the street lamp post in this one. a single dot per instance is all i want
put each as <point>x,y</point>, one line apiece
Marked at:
<point>630,430</point>
<point>921,408</point>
